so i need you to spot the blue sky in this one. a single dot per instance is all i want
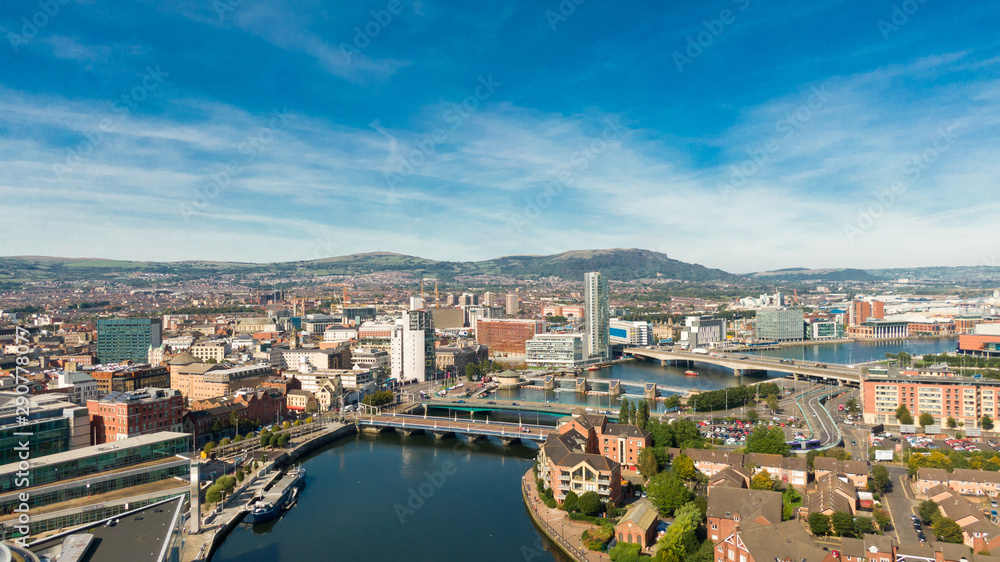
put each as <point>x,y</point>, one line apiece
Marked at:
<point>740,134</point>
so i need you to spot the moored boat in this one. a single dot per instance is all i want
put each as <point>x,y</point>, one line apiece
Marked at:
<point>691,373</point>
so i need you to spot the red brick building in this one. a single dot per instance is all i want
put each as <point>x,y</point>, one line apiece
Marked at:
<point>505,337</point>
<point>122,415</point>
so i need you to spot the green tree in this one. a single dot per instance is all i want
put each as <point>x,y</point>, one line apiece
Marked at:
<point>240,475</point>
<point>589,503</point>
<point>283,440</point>
<point>851,405</point>
<point>642,415</point>
<point>273,440</point>
<point>647,463</point>
<point>929,511</point>
<point>225,441</point>
<point>903,415</point>
<point>265,438</point>
<point>681,539</point>
<point>683,467</point>
<point>772,404</point>
<point>882,517</point>
<point>951,422</point>
<point>819,524</point>
<point>762,481</point>
<point>213,494</point>
<point>926,419</point>
<point>569,502</point>
<point>986,422</point>
<point>470,371</point>
<point>625,552</point>
<point>863,526</point>
<point>843,524</point>
<point>879,481</point>
<point>752,414</point>
<point>947,530</point>
<point>208,448</point>
<point>768,440</point>
<point>667,492</point>
<point>625,412</point>
<point>672,402</point>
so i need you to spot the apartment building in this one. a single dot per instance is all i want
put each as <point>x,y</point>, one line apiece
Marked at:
<point>118,416</point>
<point>965,399</point>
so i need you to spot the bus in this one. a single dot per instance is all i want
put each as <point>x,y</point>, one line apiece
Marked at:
<point>800,445</point>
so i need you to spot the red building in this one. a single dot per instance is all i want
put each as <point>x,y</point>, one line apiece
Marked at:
<point>122,415</point>
<point>266,405</point>
<point>862,311</point>
<point>506,337</point>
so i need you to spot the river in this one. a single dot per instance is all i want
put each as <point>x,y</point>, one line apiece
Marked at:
<point>390,497</point>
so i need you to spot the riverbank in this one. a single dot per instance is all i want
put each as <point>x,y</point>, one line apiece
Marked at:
<point>216,525</point>
<point>556,525</point>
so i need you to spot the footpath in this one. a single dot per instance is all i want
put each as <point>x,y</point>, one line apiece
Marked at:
<point>557,525</point>
<point>219,521</point>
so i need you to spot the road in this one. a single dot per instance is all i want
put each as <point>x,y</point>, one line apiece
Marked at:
<point>901,506</point>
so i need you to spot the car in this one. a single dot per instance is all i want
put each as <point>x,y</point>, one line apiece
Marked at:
<point>921,537</point>
<point>460,402</point>
<point>993,503</point>
<point>917,525</point>
<point>914,518</point>
<point>515,404</point>
<point>854,443</point>
<point>490,402</point>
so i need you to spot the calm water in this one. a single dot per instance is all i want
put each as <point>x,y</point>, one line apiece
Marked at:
<point>472,507</point>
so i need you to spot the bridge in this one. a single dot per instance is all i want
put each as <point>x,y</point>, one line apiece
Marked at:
<point>613,387</point>
<point>748,364</point>
<point>443,427</point>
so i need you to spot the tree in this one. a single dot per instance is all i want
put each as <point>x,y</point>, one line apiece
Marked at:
<point>926,419</point>
<point>265,438</point>
<point>882,517</point>
<point>929,511</point>
<point>851,405</point>
<point>819,524</point>
<point>903,415</point>
<point>762,481</point>
<point>752,414</point>
<point>772,404</point>
<point>843,524</point>
<point>239,475</point>
<point>283,440</point>
<point>768,440</point>
<point>672,402</point>
<point>879,481</point>
<point>569,502</point>
<point>625,552</point>
<point>273,440</point>
<point>947,530</point>
<point>213,494</point>
<point>225,441</point>
<point>863,526</point>
<point>986,423</point>
<point>680,540</point>
<point>647,463</point>
<point>625,412</point>
<point>951,422</point>
<point>683,467</point>
<point>642,415</point>
<point>589,504</point>
<point>470,371</point>
<point>667,492</point>
<point>208,448</point>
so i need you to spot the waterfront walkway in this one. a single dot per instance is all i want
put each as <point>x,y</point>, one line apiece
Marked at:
<point>217,523</point>
<point>557,525</point>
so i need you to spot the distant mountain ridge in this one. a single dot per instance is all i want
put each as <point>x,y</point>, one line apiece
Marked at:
<point>618,264</point>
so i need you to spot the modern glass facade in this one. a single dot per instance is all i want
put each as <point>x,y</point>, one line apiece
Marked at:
<point>596,313</point>
<point>127,339</point>
<point>779,324</point>
<point>48,436</point>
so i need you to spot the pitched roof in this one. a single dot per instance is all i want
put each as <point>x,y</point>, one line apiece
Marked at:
<point>980,476</point>
<point>642,514</point>
<point>183,358</point>
<point>934,474</point>
<point>731,458</point>
<point>750,505</point>
<point>830,493</point>
<point>731,476</point>
<point>784,541</point>
<point>625,430</point>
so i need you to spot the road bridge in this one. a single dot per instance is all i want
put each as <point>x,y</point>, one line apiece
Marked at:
<point>443,427</point>
<point>745,364</point>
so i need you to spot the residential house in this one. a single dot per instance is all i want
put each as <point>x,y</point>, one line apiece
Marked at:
<point>730,508</point>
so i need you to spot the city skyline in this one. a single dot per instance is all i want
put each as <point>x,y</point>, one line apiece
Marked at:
<point>839,134</point>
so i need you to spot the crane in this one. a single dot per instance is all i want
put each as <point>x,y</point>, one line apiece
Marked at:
<point>437,299</point>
